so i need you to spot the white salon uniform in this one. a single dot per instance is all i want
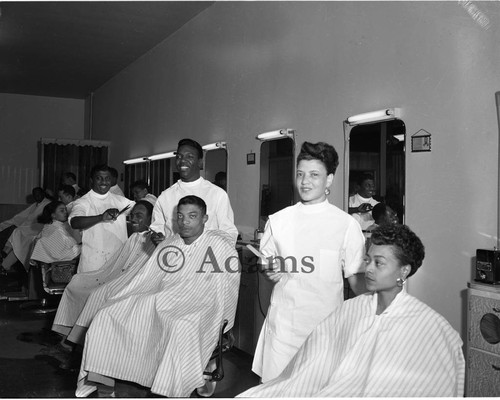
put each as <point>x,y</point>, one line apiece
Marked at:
<point>321,235</point>
<point>101,241</point>
<point>219,211</point>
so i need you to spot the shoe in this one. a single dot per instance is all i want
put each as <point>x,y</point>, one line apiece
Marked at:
<point>207,390</point>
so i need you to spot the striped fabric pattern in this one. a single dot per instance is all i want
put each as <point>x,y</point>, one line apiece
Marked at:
<point>127,261</point>
<point>161,328</point>
<point>407,351</point>
<point>55,243</point>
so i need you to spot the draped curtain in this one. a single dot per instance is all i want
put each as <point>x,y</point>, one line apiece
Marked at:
<point>156,173</point>
<point>58,156</point>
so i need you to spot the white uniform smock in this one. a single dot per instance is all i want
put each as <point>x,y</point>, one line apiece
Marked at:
<point>320,235</point>
<point>409,350</point>
<point>364,219</point>
<point>219,211</point>
<point>101,241</point>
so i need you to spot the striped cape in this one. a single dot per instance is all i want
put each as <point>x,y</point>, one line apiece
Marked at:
<point>55,243</point>
<point>160,330</point>
<point>127,261</point>
<point>407,351</point>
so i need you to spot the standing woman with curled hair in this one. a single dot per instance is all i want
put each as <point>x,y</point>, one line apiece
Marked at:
<point>306,246</point>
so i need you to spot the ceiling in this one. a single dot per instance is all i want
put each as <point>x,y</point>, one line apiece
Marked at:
<point>69,49</point>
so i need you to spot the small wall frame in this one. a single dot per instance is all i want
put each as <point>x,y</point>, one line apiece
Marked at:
<point>420,141</point>
<point>250,158</point>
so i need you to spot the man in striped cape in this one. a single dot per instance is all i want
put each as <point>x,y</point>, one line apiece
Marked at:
<point>122,266</point>
<point>160,330</point>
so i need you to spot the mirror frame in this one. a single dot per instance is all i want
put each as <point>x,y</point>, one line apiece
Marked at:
<point>293,172</point>
<point>347,137</point>
<point>205,153</point>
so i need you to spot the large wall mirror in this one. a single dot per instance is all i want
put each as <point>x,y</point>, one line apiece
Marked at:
<point>215,166</point>
<point>276,176</point>
<point>377,149</point>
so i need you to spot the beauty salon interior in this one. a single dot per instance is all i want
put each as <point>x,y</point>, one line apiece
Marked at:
<point>407,92</point>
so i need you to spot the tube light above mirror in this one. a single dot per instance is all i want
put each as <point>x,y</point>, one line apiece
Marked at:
<point>215,146</point>
<point>136,160</point>
<point>161,156</point>
<point>281,133</point>
<point>375,116</point>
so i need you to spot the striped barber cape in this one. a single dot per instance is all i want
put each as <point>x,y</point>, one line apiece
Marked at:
<point>122,266</point>
<point>407,351</point>
<point>160,329</point>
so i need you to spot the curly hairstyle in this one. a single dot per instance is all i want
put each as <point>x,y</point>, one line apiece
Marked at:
<point>408,248</point>
<point>320,151</point>
<point>46,216</point>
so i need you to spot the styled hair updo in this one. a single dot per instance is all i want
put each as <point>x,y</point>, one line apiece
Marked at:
<point>320,151</point>
<point>408,247</point>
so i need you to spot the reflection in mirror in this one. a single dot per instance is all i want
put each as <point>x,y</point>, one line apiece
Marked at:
<point>276,177</point>
<point>377,150</point>
<point>215,167</point>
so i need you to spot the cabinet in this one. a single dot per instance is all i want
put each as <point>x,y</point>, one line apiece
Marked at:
<point>483,341</point>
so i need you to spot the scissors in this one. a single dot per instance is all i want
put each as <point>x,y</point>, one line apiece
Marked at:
<point>123,210</point>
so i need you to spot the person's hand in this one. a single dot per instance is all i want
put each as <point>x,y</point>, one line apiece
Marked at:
<point>157,237</point>
<point>274,275</point>
<point>365,207</point>
<point>110,215</point>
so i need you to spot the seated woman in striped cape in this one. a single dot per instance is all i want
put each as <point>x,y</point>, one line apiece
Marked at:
<point>384,343</point>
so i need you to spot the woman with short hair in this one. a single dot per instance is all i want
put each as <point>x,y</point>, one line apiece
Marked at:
<point>384,343</point>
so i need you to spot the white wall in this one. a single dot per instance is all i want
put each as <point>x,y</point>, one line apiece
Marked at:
<point>241,68</point>
<point>23,121</point>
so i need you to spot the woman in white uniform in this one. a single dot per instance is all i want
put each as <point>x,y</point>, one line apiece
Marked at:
<point>306,248</point>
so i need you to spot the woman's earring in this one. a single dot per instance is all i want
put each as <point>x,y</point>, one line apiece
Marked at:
<point>327,191</point>
<point>400,282</point>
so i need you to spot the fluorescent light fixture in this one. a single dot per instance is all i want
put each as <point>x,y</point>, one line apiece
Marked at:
<point>281,133</point>
<point>375,116</point>
<point>215,146</point>
<point>136,160</point>
<point>161,156</point>
<point>399,137</point>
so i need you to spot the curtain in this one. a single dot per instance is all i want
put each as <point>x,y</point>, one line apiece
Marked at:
<point>160,178</point>
<point>156,173</point>
<point>58,156</point>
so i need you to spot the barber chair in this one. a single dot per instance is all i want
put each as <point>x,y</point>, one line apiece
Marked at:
<point>47,282</point>
<point>224,344</point>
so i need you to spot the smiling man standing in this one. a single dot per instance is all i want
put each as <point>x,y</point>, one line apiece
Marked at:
<point>97,215</point>
<point>189,161</point>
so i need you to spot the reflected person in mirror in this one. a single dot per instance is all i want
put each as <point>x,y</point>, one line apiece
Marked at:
<point>307,247</point>
<point>361,204</point>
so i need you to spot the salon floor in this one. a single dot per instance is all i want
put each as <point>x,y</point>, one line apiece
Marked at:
<point>27,371</point>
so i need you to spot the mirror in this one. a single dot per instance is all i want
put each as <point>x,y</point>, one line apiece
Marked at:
<point>276,177</point>
<point>215,167</point>
<point>376,150</point>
